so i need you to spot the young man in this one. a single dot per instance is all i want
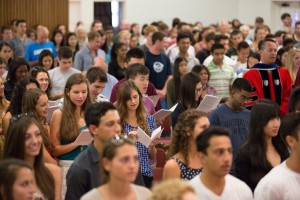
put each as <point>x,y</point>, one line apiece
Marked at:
<point>159,64</point>
<point>98,80</point>
<point>183,43</point>
<point>59,75</point>
<point>206,51</point>
<point>243,51</point>
<point>135,55</point>
<point>233,114</point>
<point>103,122</point>
<point>236,37</point>
<point>6,34</point>
<point>283,181</point>
<point>34,49</point>
<point>20,41</point>
<point>221,74</point>
<point>84,59</point>
<point>214,182</point>
<point>269,81</point>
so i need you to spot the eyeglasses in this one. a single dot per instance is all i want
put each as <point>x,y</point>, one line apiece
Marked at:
<point>243,98</point>
<point>199,90</point>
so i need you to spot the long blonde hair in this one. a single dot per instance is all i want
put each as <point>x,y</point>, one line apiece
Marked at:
<point>123,95</point>
<point>289,62</point>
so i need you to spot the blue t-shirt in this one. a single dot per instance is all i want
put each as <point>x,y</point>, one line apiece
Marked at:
<point>237,122</point>
<point>159,67</point>
<point>34,49</point>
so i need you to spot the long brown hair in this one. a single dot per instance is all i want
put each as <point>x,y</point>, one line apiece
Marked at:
<point>68,129</point>
<point>181,136</point>
<point>14,147</point>
<point>123,96</point>
<point>29,102</point>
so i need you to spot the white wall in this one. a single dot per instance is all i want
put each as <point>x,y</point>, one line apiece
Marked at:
<point>206,11</point>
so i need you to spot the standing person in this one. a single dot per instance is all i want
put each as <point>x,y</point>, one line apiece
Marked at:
<point>179,70</point>
<point>42,76</point>
<point>283,181</point>
<point>59,75</point>
<point>204,74</point>
<point>20,41</point>
<point>6,34</point>
<point>222,75</point>
<point>185,162</point>
<point>117,65</point>
<point>214,182</point>
<point>120,165</point>
<point>234,115</point>
<point>24,141</point>
<point>159,64</point>
<point>84,59</point>
<point>293,62</point>
<point>35,102</point>
<point>259,34</point>
<point>46,59</point>
<point>269,81</point>
<point>68,121</point>
<point>3,66</point>
<point>264,142</point>
<point>6,53</point>
<point>189,95</point>
<point>34,49</point>
<point>72,42</point>
<point>148,31</point>
<point>133,115</point>
<point>19,69</point>
<point>14,173</point>
<point>236,37</point>
<point>58,39</point>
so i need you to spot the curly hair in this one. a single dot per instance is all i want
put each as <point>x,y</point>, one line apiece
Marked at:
<point>181,137</point>
<point>34,73</point>
<point>15,106</point>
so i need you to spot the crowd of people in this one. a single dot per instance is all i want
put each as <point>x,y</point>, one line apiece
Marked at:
<point>57,94</point>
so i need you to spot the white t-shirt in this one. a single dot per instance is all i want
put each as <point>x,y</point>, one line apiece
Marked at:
<point>226,60</point>
<point>234,189</point>
<point>280,183</point>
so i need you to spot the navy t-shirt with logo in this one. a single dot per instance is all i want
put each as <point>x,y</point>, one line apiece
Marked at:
<point>159,67</point>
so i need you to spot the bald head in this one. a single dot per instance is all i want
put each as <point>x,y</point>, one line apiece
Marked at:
<point>42,34</point>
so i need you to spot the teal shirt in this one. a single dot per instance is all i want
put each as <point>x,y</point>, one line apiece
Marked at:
<point>75,152</point>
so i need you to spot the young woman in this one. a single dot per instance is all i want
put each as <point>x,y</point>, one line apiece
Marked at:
<point>82,36</point>
<point>16,180</point>
<point>46,59</point>
<point>179,70</point>
<point>189,95</point>
<point>253,59</point>
<point>133,115</point>
<point>281,57</point>
<point>35,101</point>
<point>18,70</point>
<point>15,107</point>
<point>3,67</point>
<point>259,34</point>
<point>184,162</point>
<point>72,42</point>
<point>120,165</point>
<point>42,76</point>
<point>57,39</point>
<point>6,52</point>
<point>68,122</point>
<point>204,74</point>
<point>117,65</point>
<point>265,148</point>
<point>3,107</point>
<point>24,141</point>
<point>293,62</point>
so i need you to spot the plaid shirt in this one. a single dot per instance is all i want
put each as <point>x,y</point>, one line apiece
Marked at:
<point>143,152</point>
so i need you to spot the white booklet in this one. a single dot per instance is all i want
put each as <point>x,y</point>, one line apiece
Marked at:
<point>145,139</point>
<point>50,112</point>
<point>209,103</point>
<point>162,113</point>
<point>84,138</point>
<point>154,99</point>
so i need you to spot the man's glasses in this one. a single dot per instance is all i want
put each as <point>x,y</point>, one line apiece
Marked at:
<point>243,98</point>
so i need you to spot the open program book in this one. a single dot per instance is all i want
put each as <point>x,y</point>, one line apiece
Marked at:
<point>209,103</point>
<point>162,113</point>
<point>145,139</point>
<point>84,138</point>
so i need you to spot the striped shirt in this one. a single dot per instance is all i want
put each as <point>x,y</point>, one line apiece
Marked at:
<point>221,78</point>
